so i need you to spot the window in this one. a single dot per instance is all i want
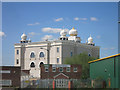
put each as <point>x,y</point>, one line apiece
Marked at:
<point>57,60</point>
<point>75,69</point>
<point>32,64</point>
<point>63,38</point>
<point>61,69</point>
<point>41,54</point>
<point>17,61</point>
<point>53,69</point>
<point>60,38</point>
<point>17,51</point>
<point>57,49</point>
<point>68,69</point>
<point>89,54</point>
<point>5,82</point>
<point>71,54</point>
<point>41,63</point>
<point>46,69</point>
<point>4,71</point>
<point>32,55</point>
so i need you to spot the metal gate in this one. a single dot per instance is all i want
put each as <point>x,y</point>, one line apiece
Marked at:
<point>61,83</point>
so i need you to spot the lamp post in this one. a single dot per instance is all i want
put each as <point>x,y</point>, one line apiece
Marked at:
<point>48,60</point>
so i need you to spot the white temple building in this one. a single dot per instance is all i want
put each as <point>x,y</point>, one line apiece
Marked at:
<point>29,55</point>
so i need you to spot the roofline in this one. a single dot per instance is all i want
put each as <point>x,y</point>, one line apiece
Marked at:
<point>104,58</point>
<point>60,74</point>
<point>12,66</point>
<point>56,41</point>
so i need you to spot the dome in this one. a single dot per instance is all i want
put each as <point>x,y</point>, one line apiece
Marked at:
<point>90,39</point>
<point>23,37</point>
<point>73,32</point>
<point>63,33</point>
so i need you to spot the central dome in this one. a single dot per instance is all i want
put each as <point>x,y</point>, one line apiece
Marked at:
<point>73,32</point>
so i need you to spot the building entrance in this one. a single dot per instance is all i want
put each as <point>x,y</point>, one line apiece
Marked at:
<point>61,83</point>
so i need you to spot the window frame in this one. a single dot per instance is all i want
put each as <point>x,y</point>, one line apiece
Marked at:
<point>60,68</point>
<point>17,61</point>
<point>58,49</point>
<point>46,69</point>
<point>89,54</point>
<point>41,54</point>
<point>5,71</point>
<point>17,52</point>
<point>31,56</point>
<point>71,53</point>
<point>32,66</point>
<point>6,82</point>
<point>67,69</point>
<point>75,69</point>
<point>53,69</point>
<point>58,59</point>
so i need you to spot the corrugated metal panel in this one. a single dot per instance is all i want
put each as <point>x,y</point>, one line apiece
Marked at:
<point>107,69</point>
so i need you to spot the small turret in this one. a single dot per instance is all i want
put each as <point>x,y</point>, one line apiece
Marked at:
<point>63,34</point>
<point>90,41</point>
<point>29,41</point>
<point>23,38</point>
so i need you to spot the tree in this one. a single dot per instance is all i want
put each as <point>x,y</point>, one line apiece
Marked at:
<point>82,59</point>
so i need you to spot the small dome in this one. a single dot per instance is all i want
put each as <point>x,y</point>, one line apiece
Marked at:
<point>29,40</point>
<point>63,33</point>
<point>90,40</point>
<point>23,37</point>
<point>73,32</point>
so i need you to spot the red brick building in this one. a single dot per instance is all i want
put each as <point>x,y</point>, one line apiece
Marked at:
<point>62,76</point>
<point>61,71</point>
<point>11,76</point>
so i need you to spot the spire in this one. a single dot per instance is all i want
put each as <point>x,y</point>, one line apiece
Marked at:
<point>90,35</point>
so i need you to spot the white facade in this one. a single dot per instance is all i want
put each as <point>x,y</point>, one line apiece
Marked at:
<point>29,55</point>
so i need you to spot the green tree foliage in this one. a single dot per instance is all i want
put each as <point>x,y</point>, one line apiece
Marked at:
<point>82,59</point>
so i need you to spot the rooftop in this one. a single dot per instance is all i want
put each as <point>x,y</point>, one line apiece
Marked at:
<point>104,58</point>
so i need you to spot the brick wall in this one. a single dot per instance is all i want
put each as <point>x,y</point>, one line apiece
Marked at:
<point>14,75</point>
<point>71,74</point>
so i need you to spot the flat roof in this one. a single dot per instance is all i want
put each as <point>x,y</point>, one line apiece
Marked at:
<point>104,58</point>
<point>10,66</point>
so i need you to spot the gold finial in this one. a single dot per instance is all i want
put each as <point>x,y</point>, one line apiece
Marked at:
<point>73,28</point>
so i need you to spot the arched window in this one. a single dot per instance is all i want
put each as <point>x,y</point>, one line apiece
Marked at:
<point>41,63</point>
<point>41,54</point>
<point>63,38</point>
<point>89,54</point>
<point>17,61</point>
<point>32,55</point>
<point>32,64</point>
